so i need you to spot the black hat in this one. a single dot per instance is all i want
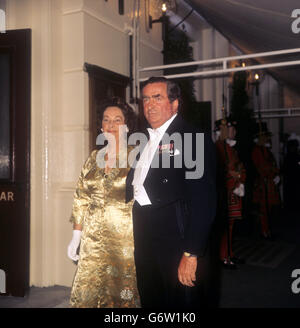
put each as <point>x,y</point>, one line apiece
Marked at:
<point>229,121</point>
<point>261,129</point>
<point>293,143</point>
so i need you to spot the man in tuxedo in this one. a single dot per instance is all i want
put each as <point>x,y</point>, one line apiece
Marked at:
<point>174,204</point>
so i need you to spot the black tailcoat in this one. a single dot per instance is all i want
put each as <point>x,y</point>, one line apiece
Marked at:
<point>179,219</point>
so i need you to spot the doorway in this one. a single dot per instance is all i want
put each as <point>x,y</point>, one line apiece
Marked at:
<point>15,104</point>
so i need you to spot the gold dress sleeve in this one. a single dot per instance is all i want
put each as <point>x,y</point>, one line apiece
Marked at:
<point>82,194</point>
<point>105,276</point>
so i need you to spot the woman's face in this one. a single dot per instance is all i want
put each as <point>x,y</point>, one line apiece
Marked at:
<point>113,119</point>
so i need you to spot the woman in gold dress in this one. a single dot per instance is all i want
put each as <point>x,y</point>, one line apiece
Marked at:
<point>102,222</point>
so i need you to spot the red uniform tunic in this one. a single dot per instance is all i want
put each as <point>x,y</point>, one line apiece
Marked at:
<point>266,193</point>
<point>234,174</point>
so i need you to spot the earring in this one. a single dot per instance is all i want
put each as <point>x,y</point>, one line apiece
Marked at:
<point>127,130</point>
<point>101,130</point>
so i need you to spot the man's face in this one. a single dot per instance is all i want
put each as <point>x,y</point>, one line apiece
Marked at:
<point>157,107</point>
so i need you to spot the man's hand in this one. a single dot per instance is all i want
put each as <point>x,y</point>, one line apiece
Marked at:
<point>187,270</point>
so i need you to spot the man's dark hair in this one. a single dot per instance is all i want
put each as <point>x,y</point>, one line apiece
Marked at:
<point>173,90</point>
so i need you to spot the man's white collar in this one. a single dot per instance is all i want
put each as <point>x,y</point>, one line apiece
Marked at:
<point>162,129</point>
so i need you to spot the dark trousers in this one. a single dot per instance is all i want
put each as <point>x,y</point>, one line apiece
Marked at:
<point>158,250</point>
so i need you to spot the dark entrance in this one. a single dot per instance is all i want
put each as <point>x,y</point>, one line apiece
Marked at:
<point>15,90</point>
<point>102,84</point>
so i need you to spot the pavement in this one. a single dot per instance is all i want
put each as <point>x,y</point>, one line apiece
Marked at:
<point>267,279</point>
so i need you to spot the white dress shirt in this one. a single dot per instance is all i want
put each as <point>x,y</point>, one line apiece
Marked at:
<point>143,165</point>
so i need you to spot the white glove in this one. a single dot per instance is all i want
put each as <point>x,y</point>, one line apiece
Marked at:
<point>231,142</point>
<point>240,190</point>
<point>72,248</point>
<point>276,179</point>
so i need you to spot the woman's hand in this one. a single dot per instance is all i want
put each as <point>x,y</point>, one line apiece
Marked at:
<point>73,246</point>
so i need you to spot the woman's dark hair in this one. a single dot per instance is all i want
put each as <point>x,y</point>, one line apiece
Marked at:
<point>129,114</point>
<point>173,89</point>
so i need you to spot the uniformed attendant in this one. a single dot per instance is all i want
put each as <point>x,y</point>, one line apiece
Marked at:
<point>266,193</point>
<point>291,177</point>
<point>231,180</point>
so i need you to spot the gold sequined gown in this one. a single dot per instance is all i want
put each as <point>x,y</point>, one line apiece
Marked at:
<point>105,276</point>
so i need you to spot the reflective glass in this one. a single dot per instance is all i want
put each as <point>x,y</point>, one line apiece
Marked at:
<point>4,116</point>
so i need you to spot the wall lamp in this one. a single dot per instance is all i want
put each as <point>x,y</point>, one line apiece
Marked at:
<point>161,19</point>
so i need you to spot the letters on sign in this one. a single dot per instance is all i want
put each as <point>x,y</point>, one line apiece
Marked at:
<point>296,23</point>
<point>7,196</point>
